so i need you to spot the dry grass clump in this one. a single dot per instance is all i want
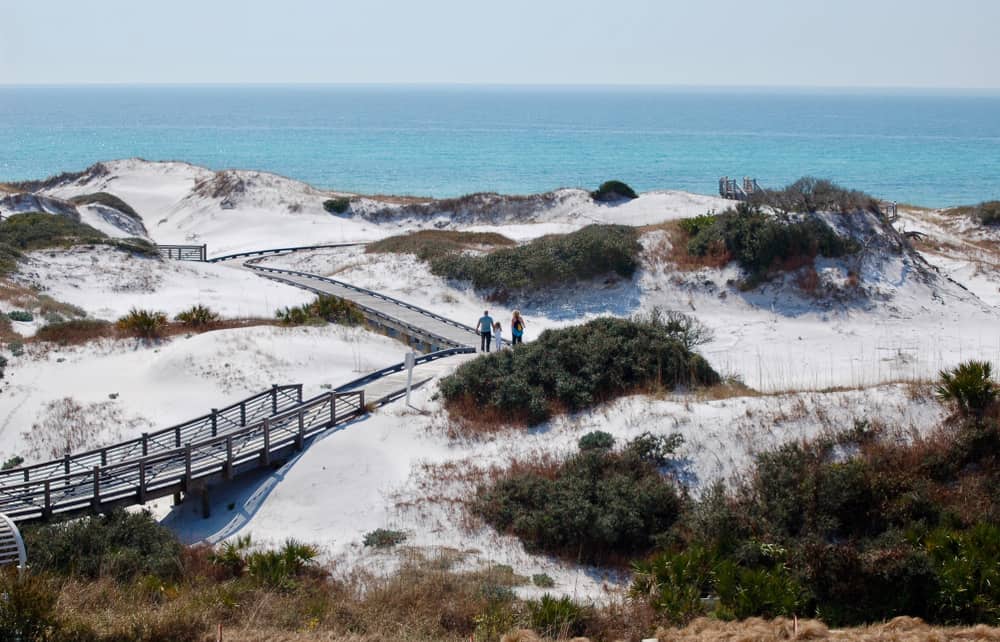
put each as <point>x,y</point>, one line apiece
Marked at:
<point>899,629</point>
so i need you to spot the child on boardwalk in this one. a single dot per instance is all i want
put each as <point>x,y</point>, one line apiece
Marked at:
<point>497,336</point>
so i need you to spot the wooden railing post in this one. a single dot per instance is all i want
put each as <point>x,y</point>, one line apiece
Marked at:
<point>142,481</point>
<point>274,399</point>
<point>47,507</point>
<point>215,421</point>
<point>361,401</point>
<point>243,413</point>
<point>227,471</point>
<point>66,464</point>
<point>145,444</point>
<point>300,438</point>
<point>26,474</point>
<point>266,455</point>
<point>104,456</point>
<point>177,437</point>
<point>95,499</point>
<point>333,408</point>
<point>187,468</point>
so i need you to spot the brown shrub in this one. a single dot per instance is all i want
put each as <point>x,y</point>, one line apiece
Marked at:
<point>75,332</point>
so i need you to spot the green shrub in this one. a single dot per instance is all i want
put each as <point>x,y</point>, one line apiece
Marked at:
<point>674,583</point>
<point>596,505</point>
<point>557,618</point>
<point>574,368</point>
<point>593,251</point>
<point>811,194</point>
<point>988,213</point>
<point>146,324</point>
<point>75,331</point>
<point>118,544</point>
<point>597,440</point>
<point>20,315</point>
<point>758,592</point>
<point>969,387</point>
<point>279,569</point>
<point>3,365</point>
<point>613,191</point>
<point>27,606</point>
<point>337,205</point>
<point>384,538</point>
<point>16,348</point>
<point>197,316</point>
<point>967,567</point>
<point>428,245</point>
<point>108,200</point>
<point>762,243</point>
<point>542,580</point>
<point>325,309</point>
<point>36,231</point>
<point>12,462</point>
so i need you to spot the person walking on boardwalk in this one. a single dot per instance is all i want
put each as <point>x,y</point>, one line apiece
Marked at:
<point>485,331</point>
<point>517,328</point>
<point>497,336</point>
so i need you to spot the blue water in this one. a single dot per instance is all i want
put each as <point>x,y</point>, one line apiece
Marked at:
<point>932,149</point>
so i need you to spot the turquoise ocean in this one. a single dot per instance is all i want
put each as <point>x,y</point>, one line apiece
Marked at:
<point>928,148</point>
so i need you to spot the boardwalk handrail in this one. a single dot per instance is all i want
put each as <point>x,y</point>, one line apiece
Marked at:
<point>240,413</point>
<point>176,469</point>
<point>278,250</point>
<point>252,264</point>
<point>12,549</point>
<point>399,367</point>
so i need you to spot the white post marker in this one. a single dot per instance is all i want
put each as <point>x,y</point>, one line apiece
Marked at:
<point>409,360</point>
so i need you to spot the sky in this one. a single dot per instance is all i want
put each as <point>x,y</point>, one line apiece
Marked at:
<point>795,43</point>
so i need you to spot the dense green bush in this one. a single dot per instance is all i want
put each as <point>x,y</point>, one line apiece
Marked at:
<point>36,231</point>
<point>108,200</point>
<point>325,309</point>
<point>550,260</point>
<point>147,324</point>
<point>119,544</point>
<point>969,387</point>
<point>597,440</point>
<point>384,538</point>
<point>811,194</point>
<point>12,462</point>
<point>337,205</point>
<point>20,315</point>
<point>597,505</point>
<point>988,213</point>
<point>854,527</point>
<point>197,316</point>
<point>613,191</point>
<point>573,368</point>
<point>428,245</point>
<point>762,243</point>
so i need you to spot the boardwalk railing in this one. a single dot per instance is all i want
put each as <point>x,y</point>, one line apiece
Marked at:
<point>278,250</point>
<point>12,549</point>
<point>183,252</point>
<point>242,413</point>
<point>473,334</point>
<point>182,468</point>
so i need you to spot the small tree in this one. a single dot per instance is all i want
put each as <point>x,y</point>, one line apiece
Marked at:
<point>969,387</point>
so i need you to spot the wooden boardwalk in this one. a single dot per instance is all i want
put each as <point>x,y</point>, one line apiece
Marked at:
<point>254,433</point>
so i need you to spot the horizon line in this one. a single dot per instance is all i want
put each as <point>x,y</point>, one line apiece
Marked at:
<point>503,85</point>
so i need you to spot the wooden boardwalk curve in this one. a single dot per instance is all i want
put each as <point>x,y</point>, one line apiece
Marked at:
<point>250,434</point>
